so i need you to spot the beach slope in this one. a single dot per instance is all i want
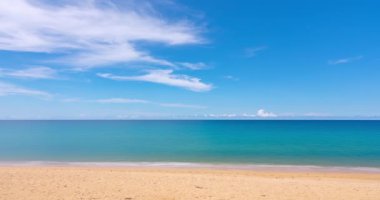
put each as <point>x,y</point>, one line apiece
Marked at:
<point>39,183</point>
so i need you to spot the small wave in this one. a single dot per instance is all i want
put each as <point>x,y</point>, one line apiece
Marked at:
<point>258,167</point>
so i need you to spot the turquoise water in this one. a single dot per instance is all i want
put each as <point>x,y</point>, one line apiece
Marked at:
<point>324,143</point>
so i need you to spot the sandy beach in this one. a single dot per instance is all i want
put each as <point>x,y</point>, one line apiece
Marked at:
<point>128,183</point>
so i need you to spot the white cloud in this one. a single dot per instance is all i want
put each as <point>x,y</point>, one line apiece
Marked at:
<point>89,33</point>
<point>252,52</point>
<point>121,100</point>
<point>32,73</point>
<point>344,60</point>
<point>10,89</point>
<point>263,113</point>
<point>165,77</point>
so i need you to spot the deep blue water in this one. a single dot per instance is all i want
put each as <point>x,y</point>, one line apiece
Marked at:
<point>326,143</point>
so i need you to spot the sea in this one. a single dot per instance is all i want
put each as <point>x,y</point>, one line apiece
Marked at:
<point>318,143</point>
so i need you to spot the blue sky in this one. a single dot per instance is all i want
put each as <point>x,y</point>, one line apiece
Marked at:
<point>189,59</point>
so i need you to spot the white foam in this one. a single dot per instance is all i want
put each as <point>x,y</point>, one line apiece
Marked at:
<point>258,167</point>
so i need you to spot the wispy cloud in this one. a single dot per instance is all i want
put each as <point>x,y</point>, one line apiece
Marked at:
<point>133,101</point>
<point>228,116</point>
<point>252,51</point>
<point>71,100</point>
<point>165,77</point>
<point>225,115</point>
<point>344,60</point>
<point>314,114</point>
<point>232,78</point>
<point>263,113</point>
<point>90,33</point>
<point>179,105</point>
<point>30,73</point>
<point>193,66</point>
<point>10,89</point>
<point>121,100</point>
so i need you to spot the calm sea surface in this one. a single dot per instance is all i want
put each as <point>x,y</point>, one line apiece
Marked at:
<point>324,143</point>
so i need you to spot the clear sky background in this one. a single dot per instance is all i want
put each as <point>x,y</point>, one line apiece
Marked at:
<point>189,59</point>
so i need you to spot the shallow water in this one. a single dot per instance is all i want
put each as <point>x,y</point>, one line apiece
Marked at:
<point>320,143</point>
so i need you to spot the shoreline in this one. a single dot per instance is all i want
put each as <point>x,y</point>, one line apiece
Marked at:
<point>194,165</point>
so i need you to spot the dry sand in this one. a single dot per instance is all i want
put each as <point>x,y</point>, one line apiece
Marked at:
<point>50,183</point>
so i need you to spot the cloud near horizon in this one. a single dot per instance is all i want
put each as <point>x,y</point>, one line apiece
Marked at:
<point>263,113</point>
<point>165,77</point>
